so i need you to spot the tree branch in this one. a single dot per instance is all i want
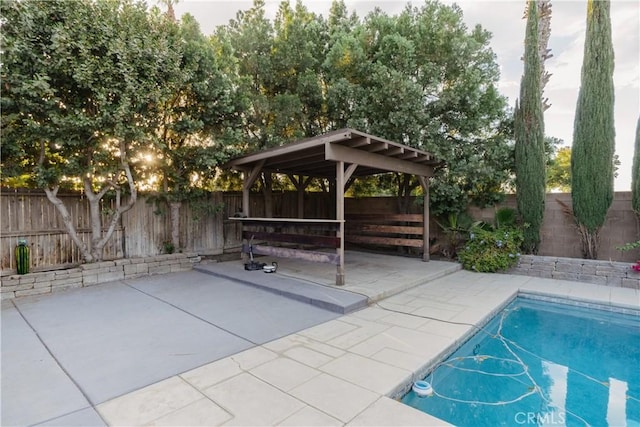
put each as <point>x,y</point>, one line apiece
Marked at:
<point>88,190</point>
<point>66,220</point>
<point>119,208</point>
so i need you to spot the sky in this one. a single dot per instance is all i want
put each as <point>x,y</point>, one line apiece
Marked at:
<point>504,20</point>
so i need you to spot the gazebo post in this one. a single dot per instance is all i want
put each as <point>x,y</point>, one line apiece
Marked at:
<point>268,194</point>
<point>424,183</point>
<point>249,176</point>
<point>340,217</point>
<point>300,188</point>
<point>245,196</point>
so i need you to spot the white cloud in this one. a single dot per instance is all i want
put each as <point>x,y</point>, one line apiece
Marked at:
<point>625,19</point>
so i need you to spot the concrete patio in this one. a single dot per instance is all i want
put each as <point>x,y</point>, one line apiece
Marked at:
<point>371,275</point>
<point>201,349</point>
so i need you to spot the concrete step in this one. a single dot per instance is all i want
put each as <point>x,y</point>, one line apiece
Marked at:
<point>328,298</point>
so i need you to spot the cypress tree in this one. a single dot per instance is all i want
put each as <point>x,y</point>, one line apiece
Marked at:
<point>529,136</point>
<point>592,161</point>
<point>635,173</point>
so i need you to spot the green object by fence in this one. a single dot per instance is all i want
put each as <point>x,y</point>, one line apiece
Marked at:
<point>22,257</point>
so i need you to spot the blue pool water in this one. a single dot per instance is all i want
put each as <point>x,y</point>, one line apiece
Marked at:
<point>541,363</point>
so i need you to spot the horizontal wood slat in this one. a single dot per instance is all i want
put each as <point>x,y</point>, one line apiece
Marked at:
<point>50,232</point>
<point>313,256</point>
<point>390,241</point>
<point>374,228</point>
<point>377,218</point>
<point>303,239</point>
<point>315,224</point>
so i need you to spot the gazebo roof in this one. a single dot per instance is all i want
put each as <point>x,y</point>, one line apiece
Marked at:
<point>317,156</point>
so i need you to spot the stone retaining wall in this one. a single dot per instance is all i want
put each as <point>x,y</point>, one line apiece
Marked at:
<point>609,273</point>
<point>92,274</point>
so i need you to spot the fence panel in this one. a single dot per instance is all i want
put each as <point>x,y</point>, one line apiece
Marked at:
<point>203,233</point>
<point>30,215</point>
<point>560,236</point>
<point>232,231</point>
<point>146,227</point>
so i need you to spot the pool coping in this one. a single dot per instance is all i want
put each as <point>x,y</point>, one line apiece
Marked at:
<point>421,373</point>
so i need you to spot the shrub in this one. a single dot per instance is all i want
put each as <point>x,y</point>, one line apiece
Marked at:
<point>168,247</point>
<point>630,247</point>
<point>491,250</point>
<point>506,218</point>
<point>456,230</point>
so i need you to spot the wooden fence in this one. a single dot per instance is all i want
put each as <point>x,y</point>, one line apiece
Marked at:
<point>148,226</point>
<point>144,229</point>
<point>30,215</point>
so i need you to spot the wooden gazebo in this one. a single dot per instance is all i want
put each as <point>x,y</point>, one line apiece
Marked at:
<point>339,156</point>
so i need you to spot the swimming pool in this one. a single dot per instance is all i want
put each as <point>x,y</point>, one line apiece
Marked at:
<point>541,363</point>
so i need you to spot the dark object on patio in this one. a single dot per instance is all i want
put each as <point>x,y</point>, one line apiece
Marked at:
<point>253,265</point>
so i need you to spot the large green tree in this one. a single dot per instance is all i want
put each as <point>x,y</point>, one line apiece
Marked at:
<point>82,82</point>
<point>199,122</point>
<point>424,79</point>
<point>245,45</point>
<point>592,160</point>
<point>529,133</point>
<point>559,171</point>
<point>278,65</point>
<point>297,87</point>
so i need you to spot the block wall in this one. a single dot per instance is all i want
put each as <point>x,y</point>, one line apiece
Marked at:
<point>559,234</point>
<point>608,273</point>
<point>15,285</point>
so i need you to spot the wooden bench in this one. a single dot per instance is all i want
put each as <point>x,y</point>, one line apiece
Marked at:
<point>296,234</point>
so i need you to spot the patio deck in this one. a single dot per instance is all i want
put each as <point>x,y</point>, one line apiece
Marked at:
<point>370,278</point>
<point>193,349</point>
<point>91,345</point>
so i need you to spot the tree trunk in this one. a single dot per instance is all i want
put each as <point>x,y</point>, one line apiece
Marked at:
<point>98,238</point>
<point>95,216</point>
<point>174,214</point>
<point>590,242</point>
<point>405,187</point>
<point>52,195</point>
